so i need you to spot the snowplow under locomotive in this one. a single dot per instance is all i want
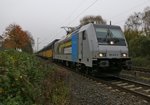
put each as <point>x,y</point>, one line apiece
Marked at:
<point>93,47</point>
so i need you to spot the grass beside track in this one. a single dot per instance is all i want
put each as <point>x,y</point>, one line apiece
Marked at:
<point>25,80</point>
<point>141,62</point>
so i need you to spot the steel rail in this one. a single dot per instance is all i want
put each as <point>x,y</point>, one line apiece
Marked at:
<point>141,69</point>
<point>114,86</point>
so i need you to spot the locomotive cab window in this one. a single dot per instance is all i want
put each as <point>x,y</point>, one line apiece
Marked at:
<point>83,35</point>
<point>107,35</point>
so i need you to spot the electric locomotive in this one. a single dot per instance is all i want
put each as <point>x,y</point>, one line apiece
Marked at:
<point>99,47</point>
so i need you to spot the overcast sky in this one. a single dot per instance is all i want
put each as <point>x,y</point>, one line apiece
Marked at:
<point>43,18</point>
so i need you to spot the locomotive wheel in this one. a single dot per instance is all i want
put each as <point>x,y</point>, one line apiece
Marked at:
<point>67,64</point>
<point>95,71</point>
<point>88,70</point>
<point>80,68</point>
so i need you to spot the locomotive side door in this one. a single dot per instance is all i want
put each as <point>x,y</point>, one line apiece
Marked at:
<point>81,45</point>
<point>82,37</point>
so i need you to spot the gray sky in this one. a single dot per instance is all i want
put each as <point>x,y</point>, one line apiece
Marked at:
<point>43,18</point>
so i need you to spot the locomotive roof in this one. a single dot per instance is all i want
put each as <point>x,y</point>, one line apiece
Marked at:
<point>68,35</point>
<point>49,45</point>
<point>84,27</point>
<point>106,26</point>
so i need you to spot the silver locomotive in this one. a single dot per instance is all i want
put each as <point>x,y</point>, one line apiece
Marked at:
<point>94,47</point>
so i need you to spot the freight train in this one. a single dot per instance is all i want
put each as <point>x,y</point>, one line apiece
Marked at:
<point>91,48</point>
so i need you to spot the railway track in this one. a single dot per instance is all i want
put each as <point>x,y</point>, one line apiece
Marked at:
<point>141,69</point>
<point>136,88</point>
<point>139,75</point>
<point>123,85</point>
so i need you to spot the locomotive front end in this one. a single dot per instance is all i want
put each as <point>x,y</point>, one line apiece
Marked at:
<point>112,50</point>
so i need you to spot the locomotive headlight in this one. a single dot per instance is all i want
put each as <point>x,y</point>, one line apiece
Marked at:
<point>111,42</point>
<point>124,55</point>
<point>102,54</point>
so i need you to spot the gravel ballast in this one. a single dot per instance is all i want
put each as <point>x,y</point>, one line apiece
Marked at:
<point>87,92</point>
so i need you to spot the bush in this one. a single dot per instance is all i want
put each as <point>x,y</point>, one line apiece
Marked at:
<point>140,46</point>
<point>24,80</point>
<point>141,62</point>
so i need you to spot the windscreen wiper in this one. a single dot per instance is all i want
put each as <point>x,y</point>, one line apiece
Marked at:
<point>108,36</point>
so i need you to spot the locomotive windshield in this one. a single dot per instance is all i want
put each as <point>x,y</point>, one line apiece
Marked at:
<point>112,36</point>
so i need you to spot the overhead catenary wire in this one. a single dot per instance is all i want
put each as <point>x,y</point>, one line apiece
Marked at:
<point>78,16</point>
<point>120,14</point>
<point>71,13</point>
<point>80,4</point>
<point>91,6</point>
<point>83,11</point>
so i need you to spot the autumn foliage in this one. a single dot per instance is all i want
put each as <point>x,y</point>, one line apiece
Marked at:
<point>17,38</point>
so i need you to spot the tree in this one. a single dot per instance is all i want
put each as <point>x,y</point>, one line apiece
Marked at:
<point>134,22</point>
<point>16,38</point>
<point>146,21</point>
<point>139,22</point>
<point>137,32</point>
<point>140,46</point>
<point>92,19</point>
<point>131,34</point>
<point>28,48</point>
<point>1,41</point>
